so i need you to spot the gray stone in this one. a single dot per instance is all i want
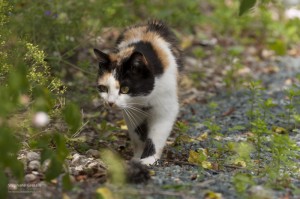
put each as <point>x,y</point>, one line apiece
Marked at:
<point>30,177</point>
<point>33,156</point>
<point>35,173</point>
<point>78,168</point>
<point>45,165</point>
<point>34,165</point>
<point>260,192</point>
<point>93,153</point>
<point>78,159</point>
<point>93,165</point>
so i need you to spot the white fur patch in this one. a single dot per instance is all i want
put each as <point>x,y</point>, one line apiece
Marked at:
<point>148,161</point>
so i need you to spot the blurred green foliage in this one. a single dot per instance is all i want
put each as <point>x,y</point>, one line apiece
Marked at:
<point>40,39</point>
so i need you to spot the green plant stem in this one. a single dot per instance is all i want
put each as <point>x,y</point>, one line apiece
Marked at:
<point>70,64</point>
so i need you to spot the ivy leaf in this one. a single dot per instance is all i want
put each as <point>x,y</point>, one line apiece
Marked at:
<point>246,5</point>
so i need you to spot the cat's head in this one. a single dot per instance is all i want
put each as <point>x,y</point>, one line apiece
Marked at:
<point>124,78</point>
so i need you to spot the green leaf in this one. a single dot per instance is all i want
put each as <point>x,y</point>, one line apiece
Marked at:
<point>58,157</point>
<point>72,116</point>
<point>104,193</point>
<point>10,147</point>
<point>197,157</point>
<point>18,169</point>
<point>241,181</point>
<point>116,167</point>
<point>61,147</point>
<point>3,184</point>
<point>54,169</point>
<point>66,182</point>
<point>246,5</point>
<point>279,47</point>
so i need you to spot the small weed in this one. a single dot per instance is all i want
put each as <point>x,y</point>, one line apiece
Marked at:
<point>181,127</point>
<point>291,94</point>
<point>231,79</point>
<point>255,89</point>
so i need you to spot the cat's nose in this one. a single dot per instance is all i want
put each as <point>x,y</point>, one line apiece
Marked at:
<point>111,104</point>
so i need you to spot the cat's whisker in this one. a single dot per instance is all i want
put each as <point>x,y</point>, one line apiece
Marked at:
<point>140,104</point>
<point>129,117</point>
<point>133,117</point>
<point>129,114</point>
<point>139,110</point>
<point>137,127</point>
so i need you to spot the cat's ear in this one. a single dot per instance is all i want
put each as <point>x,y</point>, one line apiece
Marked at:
<point>137,61</point>
<point>102,57</point>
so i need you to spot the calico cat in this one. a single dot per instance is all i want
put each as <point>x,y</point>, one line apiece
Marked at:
<point>140,78</point>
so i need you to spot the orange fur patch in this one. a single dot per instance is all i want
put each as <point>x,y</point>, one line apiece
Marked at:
<point>103,79</point>
<point>126,52</point>
<point>135,32</point>
<point>154,38</point>
<point>140,33</point>
<point>151,37</point>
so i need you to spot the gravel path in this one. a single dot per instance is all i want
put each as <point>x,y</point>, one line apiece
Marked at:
<point>177,180</point>
<point>174,176</point>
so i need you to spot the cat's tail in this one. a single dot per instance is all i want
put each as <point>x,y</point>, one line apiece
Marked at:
<point>136,172</point>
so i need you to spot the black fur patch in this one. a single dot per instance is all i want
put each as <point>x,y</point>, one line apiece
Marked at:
<point>149,149</point>
<point>105,64</point>
<point>139,79</point>
<point>142,130</point>
<point>151,56</point>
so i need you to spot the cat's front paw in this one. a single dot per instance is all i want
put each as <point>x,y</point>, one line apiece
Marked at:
<point>148,161</point>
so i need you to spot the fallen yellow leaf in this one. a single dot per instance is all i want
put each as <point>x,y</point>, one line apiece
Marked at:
<point>217,137</point>
<point>124,127</point>
<point>206,165</point>
<point>65,196</point>
<point>240,163</point>
<point>202,137</point>
<point>279,130</point>
<point>193,157</point>
<point>152,172</point>
<point>105,193</point>
<point>212,195</point>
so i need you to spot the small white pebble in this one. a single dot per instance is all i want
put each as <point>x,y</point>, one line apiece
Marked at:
<point>41,119</point>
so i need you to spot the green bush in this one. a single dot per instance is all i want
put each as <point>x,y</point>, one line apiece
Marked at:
<point>27,86</point>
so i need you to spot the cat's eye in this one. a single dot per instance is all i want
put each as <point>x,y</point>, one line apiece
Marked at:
<point>124,89</point>
<point>102,88</point>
